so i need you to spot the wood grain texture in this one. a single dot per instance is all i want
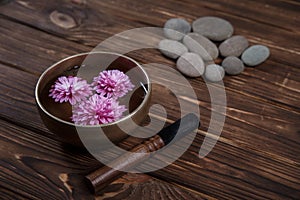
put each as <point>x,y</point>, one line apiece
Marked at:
<point>34,166</point>
<point>286,85</point>
<point>257,155</point>
<point>133,186</point>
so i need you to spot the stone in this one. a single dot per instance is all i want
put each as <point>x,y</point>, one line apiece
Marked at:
<point>190,64</point>
<point>200,45</point>
<point>233,65</point>
<point>171,48</point>
<point>233,46</point>
<point>214,28</point>
<point>255,55</point>
<point>214,73</point>
<point>176,28</point>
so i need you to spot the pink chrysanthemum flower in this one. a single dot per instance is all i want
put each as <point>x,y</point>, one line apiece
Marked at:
<point>112,83</point>
<point>98,109</point>
<point>70,89</point>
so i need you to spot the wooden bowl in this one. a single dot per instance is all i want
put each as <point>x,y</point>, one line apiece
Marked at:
<point>57,116</point>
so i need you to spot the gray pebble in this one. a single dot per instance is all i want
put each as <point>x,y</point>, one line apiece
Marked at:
<point>255,55</point>
<point>213,28</point>
<point>176,28</point>
<point>233,46</point>
<point>171,48</point>
<point>201,45</point>
<point>214,73</point>
<point>190,64</point>
<point>233,65</point>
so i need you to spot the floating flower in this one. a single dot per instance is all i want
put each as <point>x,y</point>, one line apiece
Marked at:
<point>70,89</point>
<point>112,83</point>
<point>98,109</point>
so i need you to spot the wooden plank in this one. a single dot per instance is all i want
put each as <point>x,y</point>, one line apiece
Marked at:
<point>18,103</point>
<point>56,172</point>
<point>234,175</point>
<point>259,117</point>
<point>256,157</point>
<point>249,110</point>
<point>215,180</point>
<point>235,110</point>
<point>123,15</point>
<point>34,165</point>
<point>35,52</point>
<point>262,12</point>
<point>279,86</point>
<point>279,44</point>
<point>136,186</point>
<point>87,19</point>
<point>274,163</point>
<point>49,152</point>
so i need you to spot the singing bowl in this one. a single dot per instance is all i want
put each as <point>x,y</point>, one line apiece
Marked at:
<point>57,116</point>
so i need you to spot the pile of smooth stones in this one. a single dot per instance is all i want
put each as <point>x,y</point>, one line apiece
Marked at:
<point>196,51</point>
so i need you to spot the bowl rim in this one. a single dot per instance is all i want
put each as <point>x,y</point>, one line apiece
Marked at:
<point>100,125</point>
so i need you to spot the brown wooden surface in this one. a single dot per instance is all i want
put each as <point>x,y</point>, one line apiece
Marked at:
<point>257,155</point>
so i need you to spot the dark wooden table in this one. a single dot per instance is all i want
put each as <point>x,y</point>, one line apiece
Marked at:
<point>257,155</point>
